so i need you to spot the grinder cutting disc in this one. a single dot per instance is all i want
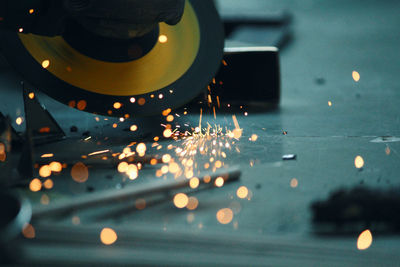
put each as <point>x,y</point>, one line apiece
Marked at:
<point>143,76</point>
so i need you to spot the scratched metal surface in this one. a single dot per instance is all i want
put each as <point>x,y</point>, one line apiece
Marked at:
<point>331,39</point>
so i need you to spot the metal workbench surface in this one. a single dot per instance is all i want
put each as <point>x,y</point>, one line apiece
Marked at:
<point>331,39</point>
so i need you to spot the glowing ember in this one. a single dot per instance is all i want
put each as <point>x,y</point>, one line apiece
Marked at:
<point>364,241</point>
<point>167,133</point>
<point>254,138</point>
<point>133,128</point>
<point>123,167</point>
<point>173,167</point>
<point>164,169</point>
<point>193,203</point>
<point>117,105</point>
<point>31,11</point>
<point>19,120</point>
<point>166,158</point>
<point>225,216</point>
<point>3,155</point>
<point>140,204</point>
<point>99,152</point>
<point>294,183</point>
<point>49,155</point>
<point>28,231</point>
<point>48,184</point>
<point>163,39</point>
<point>45,171</point>
<point>166,112</point>
<point>35,185</point>
<point>356,76</point>
<point>181,200</point>
<point>219,182</point>
<point>330,103</point>
<point>359,162</point>
<point>194,183</point>
<point>80,173</point>
<point>132,172</point>
<point>108,236</point>
<point>170,118</point>
<point>31,95</point>
<point>81,105</point>
<point>141,149</point>
<point>218,164</point>
<point>45,63</point>
<point>55,166</point>
<point>242,192</point>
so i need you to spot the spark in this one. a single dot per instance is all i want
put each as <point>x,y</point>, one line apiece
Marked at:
<point>356,76</point>
<point>133,128</point>
<point>141,149</point>
<point>45,171</point>
<point>19,120</point>
<point>364,240</point>
<point>45,63</point>
<point>167,133</point>
<point>123,167</point>
<point>201,116</point>
<point>253,138</point>
<point>99,152</point>
<point>242,192</point>
<point>163,39</point>
<point>35,185</point>
<point>166,158</point>
<point>225,216</point>
<point>81,105</point>
<point>219,182</point>
<point>140,204</point>
<point>194,182</point>
<point>28,231</point>
<point>55,166</point>
<point>108,236</point>
<point>80,173</point>
<point>181,200</point>
<point>48,184</point>
<point>49,155</point>
<point>359,162</point>
<point>193,203</point>
<point>294,183</point>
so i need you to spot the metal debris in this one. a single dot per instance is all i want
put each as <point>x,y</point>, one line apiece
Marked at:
<point>289,157</point>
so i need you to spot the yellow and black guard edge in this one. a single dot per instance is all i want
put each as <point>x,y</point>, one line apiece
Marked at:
<point>165,69</point>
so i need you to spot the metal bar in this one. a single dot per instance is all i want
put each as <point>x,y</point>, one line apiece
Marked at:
<point>110,196</point>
